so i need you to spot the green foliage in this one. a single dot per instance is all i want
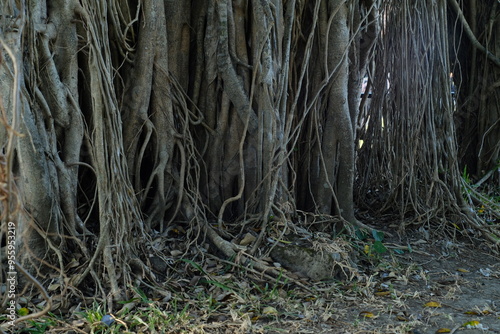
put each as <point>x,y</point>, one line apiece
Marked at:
<point>40,326</point>
<point>371,246</point>
<point>379,247</point>
<point>360,234</point>
<point>378,235</point>
<point>466,176</point>
<point>483,199</point>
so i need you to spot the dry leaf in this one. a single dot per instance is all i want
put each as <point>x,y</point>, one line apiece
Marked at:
<point>367,314</point>
<point>471,324</point>
<point>382,293</point>
<point>55,306</point>
<point>247,239</point>
<point>73,264</point>
<point>41,304</point>
<point>462,270</point>
<point>432,304</point>
<point>78,323</point>
<point>176,252</point>
<point>223,296</point>
<point>269,310</point>
<point>443,330</point>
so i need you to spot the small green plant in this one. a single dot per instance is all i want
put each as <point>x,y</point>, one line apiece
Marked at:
<point>93,317</point>
<point>465,175</point>
<point>94,314</point>
<point>39,326</point>
<point>372,247</point>
<point>378,246</point>
<point>271,292</point>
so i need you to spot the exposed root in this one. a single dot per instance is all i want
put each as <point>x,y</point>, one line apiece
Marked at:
<point>248,262</point>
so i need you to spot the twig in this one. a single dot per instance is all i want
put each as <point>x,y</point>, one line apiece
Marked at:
<point>455,329</point>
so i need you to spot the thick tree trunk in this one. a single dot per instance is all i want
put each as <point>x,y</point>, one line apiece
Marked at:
<point>338,140</point>
<point>329,147</point>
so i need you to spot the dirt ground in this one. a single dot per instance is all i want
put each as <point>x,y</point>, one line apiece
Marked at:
<point>421,286</point>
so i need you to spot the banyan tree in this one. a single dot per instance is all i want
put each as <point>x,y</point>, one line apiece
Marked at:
<point>126,121</point>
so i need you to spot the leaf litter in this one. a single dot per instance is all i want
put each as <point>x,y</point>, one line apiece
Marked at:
<point>425,287</point>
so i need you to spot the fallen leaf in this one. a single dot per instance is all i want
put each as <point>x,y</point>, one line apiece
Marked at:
<point>176,252</point>
<point>462,270</point>
<point>224,296</point>
<point>269,310</point>
<point>41,304</point>
<point>55,306</point>
<point>382,293</point>
<point>78,323</point>
<point>432,304</point>
<point>443,330</point>
<point>73,264</point>
<point>366,314</point>
<point>379,247</point>
<point>247,239</point>
<point>471,324</point>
